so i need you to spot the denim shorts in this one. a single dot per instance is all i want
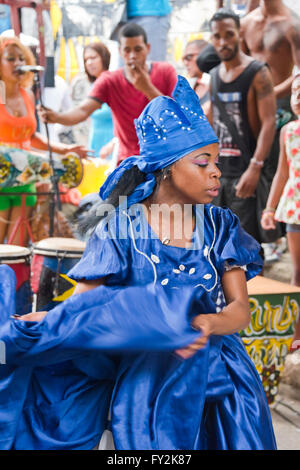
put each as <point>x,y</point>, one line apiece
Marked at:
<point>293,227</point>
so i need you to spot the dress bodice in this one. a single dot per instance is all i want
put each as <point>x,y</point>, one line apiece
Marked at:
<point>129,252</point>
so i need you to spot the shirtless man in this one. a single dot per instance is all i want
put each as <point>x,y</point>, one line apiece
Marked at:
<point>271,34</point>
<point>191,52</point>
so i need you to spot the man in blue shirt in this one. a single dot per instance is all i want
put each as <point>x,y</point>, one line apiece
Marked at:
<point>154,17</point>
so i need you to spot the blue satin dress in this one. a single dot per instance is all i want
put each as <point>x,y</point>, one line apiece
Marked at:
<point>113,348</point>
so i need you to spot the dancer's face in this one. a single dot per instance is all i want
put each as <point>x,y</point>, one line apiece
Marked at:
<point>134,51</point>
<point>93,62</point>
<point>225,37</point>
<point>195,178</point>
<point>295,98</point>
<point>12,57</point>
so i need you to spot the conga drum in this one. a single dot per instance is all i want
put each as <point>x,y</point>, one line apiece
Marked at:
<point>18,259</point>
<point>275,310</point>
<point>52,260</point>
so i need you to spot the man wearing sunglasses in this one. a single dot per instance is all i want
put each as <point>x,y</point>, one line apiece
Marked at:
<point>192,50</point>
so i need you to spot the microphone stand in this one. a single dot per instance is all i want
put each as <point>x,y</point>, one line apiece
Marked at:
<point>55,197</point>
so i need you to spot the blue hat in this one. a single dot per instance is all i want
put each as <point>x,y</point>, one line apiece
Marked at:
<point>167,129</point>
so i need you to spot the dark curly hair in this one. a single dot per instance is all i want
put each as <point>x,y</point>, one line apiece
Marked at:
<point>125,186</point>
<point>223,14</point>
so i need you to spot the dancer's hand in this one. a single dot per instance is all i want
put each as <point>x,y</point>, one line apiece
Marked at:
<point>201,323</point>
<point>33,316</point>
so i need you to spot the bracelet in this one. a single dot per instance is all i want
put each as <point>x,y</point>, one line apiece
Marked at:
<point>257,162</point>
<point>269,210</point>
<point>268,213</point>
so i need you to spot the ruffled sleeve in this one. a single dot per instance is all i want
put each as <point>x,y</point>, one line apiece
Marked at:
<point>233,246</point>
<point>106,255</point>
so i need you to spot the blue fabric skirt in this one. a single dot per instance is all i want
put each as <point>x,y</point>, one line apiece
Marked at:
<point>93,353</point>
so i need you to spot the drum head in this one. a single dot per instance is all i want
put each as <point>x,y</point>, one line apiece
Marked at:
<point>57,246</point>
<point>13,254</point>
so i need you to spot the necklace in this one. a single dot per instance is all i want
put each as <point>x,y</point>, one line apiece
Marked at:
<point>15,110</point>
<point>15,113</point>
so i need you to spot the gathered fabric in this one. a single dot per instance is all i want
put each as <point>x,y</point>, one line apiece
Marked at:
<point>113,348</point>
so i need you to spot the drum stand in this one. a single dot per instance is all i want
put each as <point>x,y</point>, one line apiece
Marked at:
<point>55,199</point>
<point>22,222</point>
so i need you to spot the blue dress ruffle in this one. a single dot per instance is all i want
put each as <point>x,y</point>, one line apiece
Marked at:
<point>113,347</point>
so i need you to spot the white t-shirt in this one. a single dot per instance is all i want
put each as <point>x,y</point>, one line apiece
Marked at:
<point>59,99</point>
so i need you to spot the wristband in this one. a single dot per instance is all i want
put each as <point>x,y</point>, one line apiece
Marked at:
<point>257,162</point>
<point>269,210</point>
<point>268,213</point>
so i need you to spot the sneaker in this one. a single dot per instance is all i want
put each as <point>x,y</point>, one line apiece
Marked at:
<point>270,253</point>
<point>281,246</point>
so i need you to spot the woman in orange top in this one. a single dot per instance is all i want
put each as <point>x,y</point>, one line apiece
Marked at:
<point>18,126</point>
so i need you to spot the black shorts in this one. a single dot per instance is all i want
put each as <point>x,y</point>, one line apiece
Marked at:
<point>245,209</point>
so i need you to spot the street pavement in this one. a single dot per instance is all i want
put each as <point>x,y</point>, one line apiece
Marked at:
<point>285,411</point>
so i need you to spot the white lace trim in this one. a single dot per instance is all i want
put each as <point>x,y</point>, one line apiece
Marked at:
<point>208,256</point>
<point>141,252</point>
<point>229,267</point>
<point>155,260</point>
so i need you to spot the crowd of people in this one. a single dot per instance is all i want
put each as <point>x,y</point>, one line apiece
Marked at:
<point>18,129</point>
<point>246,97</point>
<point>223,149</point>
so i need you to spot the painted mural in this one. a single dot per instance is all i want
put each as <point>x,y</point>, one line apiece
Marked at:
<point>269,335</point>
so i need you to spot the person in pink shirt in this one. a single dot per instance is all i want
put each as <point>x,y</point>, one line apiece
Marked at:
<point>126,91</point>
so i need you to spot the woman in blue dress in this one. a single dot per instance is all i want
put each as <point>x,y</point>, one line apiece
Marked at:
<point>151,334</point>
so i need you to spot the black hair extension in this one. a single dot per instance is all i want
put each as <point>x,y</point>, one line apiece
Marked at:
<point>125,186</point>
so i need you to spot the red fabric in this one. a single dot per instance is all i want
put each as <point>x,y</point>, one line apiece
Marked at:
<point>22,272</point>
<point>36,270</point>
<point>127,103</point>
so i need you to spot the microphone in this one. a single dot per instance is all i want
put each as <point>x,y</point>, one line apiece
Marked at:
<point>30,68</point>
